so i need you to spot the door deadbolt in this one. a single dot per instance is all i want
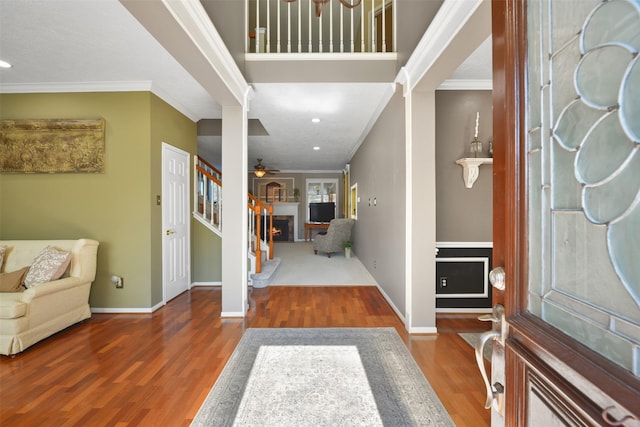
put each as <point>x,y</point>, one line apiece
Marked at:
<point>497,278</point>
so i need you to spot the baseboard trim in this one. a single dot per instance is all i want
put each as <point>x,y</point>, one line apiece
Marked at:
<point>232,314</point>
<point>464,310</point>
<point>207,284</point>
<point>393,306</point>
<point>324,285</point>
<point>127,310</point>
<point>423,330</point>
<point>411,330</point>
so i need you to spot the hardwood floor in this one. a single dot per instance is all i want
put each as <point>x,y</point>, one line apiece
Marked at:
<point>156,369</point>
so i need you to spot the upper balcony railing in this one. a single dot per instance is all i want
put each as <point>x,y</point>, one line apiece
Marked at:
<point>320,26</point>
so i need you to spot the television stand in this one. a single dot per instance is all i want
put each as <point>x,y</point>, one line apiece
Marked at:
<point>309,226</point>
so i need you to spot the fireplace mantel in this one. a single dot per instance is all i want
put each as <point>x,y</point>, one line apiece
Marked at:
<point>286,208</point>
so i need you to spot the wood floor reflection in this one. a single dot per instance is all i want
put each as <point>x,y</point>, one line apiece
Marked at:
<point>156,369</point>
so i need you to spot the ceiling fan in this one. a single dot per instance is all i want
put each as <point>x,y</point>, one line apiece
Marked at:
<point>260,170</point>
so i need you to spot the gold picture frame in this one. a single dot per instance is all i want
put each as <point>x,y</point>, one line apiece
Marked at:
<point>52,146</point>
<point>273,190</point>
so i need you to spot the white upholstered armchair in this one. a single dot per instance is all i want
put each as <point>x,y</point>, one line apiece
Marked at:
<point>339,231</point>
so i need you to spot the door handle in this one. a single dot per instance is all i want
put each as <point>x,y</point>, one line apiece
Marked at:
<point>495,392</point>
<point>497,278</point>
<point>492,392</point>
<point>170,232</point>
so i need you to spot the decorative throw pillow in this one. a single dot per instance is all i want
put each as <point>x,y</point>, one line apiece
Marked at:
<point>12,282</point>
<point>3,249</point>
<point>49,265</point>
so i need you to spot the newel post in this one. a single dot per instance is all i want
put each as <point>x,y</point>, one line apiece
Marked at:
<point>270,210</point>
<point>257,210</point>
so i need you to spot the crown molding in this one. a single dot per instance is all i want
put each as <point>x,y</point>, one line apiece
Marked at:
<point>195,22</point>
<point>166,97</point>
<point>86,87</point>
<point>113,86</point>
<point>391,89</point>
<point>451,17</point>
<point>466,84</point>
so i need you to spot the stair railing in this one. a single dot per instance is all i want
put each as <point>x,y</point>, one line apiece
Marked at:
<point>303,26</point>
<point>260,218</point>
<point>207,199</point>
<point>208,208</point>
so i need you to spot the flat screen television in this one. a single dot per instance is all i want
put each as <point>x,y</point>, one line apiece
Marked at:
<point>322,212</point>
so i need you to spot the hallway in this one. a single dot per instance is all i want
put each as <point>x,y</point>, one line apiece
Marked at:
<point>301,267</point>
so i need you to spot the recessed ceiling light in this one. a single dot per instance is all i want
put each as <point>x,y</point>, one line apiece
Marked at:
<point>315,120</point>
<point>4,64</point>
<point>316,148</point>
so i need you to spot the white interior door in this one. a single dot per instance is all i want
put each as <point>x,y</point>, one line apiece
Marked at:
<point>175,221</point>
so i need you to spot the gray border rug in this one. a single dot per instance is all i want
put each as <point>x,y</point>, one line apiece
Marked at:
<point>401,393</point>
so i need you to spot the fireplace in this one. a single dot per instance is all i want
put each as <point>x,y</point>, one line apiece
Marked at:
<point>289,210</point>
<point>283,228</point>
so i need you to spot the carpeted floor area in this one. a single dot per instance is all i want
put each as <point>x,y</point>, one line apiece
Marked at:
<point>322,377</point>
<point>300,266</point>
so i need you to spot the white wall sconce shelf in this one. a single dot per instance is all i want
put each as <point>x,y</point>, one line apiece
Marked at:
<point>471,168</point>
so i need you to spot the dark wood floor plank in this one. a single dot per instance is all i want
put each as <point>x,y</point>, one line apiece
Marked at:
<point>157,369</point>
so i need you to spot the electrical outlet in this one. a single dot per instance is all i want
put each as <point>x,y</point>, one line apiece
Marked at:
<point>443,282</point>
<point>374,263</point>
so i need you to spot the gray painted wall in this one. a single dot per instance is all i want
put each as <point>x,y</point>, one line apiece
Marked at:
<point>462,214</point>
<point>413,18</point>
<point>379,233</point>
<point>228,18</point>
<point>378,167</point>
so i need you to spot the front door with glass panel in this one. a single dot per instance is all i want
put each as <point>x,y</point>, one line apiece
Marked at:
<point>569,161</point>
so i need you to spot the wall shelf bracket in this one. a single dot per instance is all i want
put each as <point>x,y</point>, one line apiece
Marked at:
<point>471,168</point>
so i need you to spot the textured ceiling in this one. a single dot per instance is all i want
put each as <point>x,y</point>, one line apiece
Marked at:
<point>92,45</point>
<point>97,45</point>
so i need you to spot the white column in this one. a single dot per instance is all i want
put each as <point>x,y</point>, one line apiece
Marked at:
<point>234,211</point>
<point>420,212</point>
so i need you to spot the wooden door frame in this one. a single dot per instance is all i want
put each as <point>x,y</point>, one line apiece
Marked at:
<point>534,347</point>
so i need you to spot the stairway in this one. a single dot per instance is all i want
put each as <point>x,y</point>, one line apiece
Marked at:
<point>208,210</point>
<point>262,279</point>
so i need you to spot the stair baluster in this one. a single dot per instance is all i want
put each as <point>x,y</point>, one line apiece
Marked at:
<point>208,208</point>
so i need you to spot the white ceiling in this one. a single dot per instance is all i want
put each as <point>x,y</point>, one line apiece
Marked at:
<point>97,45</point>
<point>286,109</point>
<point>90,45</point>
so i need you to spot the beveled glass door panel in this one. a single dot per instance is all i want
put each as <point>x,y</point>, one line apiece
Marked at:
<point>583,171</point>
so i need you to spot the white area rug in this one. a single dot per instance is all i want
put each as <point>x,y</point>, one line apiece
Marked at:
<point>308,388</point>
<point>300,266</point>
<point>321,377</point>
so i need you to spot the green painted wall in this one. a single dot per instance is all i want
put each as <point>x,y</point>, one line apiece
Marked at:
<point>171,127</point>
<point>118,207</point>
<point>206,254</point>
